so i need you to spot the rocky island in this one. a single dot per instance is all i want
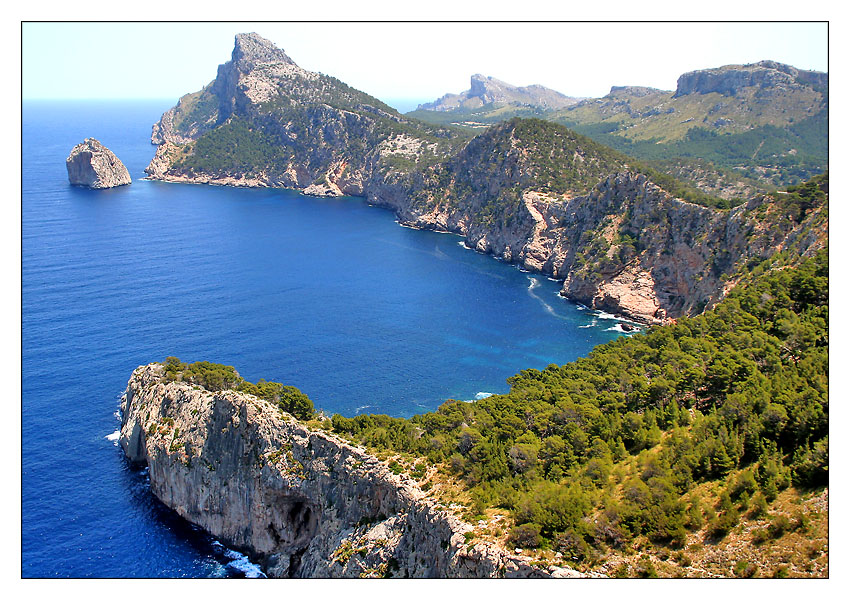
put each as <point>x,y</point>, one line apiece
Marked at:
<point>91,164</point>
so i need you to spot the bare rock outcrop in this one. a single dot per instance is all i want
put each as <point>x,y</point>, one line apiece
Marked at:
<point>301,502</point>
<point>730,79</point>
<point>93,165</point>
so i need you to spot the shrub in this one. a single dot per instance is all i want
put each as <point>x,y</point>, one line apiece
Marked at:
<point>778,526</point>
<point>572,545</point>
<point>526,535</point>
<point>744,569</point>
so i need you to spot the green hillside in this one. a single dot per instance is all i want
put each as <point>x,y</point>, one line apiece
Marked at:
<point>493,169</point>
<point>685,435</point>
<point>769,135</point>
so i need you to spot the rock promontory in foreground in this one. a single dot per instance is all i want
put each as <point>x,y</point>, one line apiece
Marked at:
<point>299,501</point>
<point>93,165</point>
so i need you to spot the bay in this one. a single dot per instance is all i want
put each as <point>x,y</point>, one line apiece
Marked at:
<point>328,295</point>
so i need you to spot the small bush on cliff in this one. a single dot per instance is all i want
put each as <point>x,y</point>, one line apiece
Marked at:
<point>216,377</point>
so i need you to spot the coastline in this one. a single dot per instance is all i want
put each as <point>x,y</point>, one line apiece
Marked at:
<point>433,226</point>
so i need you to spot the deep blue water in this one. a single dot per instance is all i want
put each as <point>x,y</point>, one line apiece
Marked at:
<point>329,295</point>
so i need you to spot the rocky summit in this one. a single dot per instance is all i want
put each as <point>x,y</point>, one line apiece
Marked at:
<point>485,91</point>
<point>767,74</point>
<point>93,165</point>
<point>730,130</point>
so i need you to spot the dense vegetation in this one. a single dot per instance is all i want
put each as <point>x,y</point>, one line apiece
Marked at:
<point>519,154</point>
<point>737,395</point>
<point>236,146</point>
<point>217,377</point>
<point>752,152</point>
<point>761,153</point>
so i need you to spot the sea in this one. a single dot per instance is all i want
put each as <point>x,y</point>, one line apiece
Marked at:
<point>329,295</point>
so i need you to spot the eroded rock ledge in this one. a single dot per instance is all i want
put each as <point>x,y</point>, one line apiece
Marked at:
<point>301,503</point>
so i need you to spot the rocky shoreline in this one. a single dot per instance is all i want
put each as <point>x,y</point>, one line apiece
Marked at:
<point>298,501</point>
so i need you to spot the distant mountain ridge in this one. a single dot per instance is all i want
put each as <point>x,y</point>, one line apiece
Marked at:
<point>730,79</point>
<point>484,90</point>
<point>761,125</point>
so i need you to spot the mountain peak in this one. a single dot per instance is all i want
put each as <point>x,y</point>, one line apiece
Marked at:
<point>728,80</point>
<point>484,90</point>
<point>251,49</point>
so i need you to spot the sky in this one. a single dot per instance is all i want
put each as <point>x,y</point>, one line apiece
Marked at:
<point>404,63</point>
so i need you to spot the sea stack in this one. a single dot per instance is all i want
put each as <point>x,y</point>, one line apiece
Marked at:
<point>93,165</point>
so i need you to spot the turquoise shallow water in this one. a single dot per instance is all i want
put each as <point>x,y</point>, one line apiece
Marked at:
<point>329,295</point>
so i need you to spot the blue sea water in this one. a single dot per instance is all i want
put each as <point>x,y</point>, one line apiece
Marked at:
<point>329,295</point>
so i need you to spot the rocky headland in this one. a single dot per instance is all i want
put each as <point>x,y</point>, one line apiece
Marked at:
<point>91,164</point>
<point>299,501</point>
<point>531,192</point>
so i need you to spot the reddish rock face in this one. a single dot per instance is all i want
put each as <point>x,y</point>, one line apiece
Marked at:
<point>93,165</point>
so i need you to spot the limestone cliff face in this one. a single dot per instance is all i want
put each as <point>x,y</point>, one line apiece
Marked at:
<point>729,80</point>
<point>627,247</point>
<point>93,165</point>
<point>298,129</point>
<point>302,503</point>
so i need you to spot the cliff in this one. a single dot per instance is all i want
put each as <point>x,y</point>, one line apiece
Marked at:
<point>301,502</point>
<point>623,245</point>
<point>732,79</point>
<point>93,165</point>
<point>531,192</point>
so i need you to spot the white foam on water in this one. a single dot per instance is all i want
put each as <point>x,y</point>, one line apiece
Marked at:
<point>240,562</point>
<point>359,408</point>
<point>463,244</point>
<point>586,326</point>
<point>619,328</point>
<point>113,437</point>
<point>482,395</point>
<point>534,284</point>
